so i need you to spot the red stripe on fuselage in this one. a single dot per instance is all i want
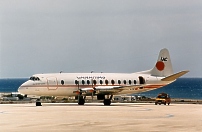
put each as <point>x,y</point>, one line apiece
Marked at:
<point>88,86</point>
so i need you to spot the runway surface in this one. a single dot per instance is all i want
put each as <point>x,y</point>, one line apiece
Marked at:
<point>53,117</point>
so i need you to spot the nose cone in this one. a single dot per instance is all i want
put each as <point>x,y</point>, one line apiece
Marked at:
<point>20,90</point>
<point>23,88</point>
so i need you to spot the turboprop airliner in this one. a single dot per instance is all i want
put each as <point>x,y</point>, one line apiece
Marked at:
<point>102,85</point>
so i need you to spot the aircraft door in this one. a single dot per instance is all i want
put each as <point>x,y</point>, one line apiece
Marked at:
<point>52,83</point>
<point>141,80</point>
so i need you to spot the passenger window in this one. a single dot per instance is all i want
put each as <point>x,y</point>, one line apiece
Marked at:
<point>135,82</point>
<point>106,82</point>
<point>76,82</point>
<point>112,81</point>
<point>94,82</point>
<point>62,82</point>
<point>129,82</point>
<point>83,82</point>
<point>88,82</point>
<point>101,82</point>
<point>124,82</point>
<point>119,82</point>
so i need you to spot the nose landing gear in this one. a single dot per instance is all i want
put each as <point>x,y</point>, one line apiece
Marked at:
<point>38,102</point>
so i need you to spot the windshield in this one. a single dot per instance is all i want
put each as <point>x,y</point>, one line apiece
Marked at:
<point>34,78</point>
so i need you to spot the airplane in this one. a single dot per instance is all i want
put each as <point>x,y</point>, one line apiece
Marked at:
<point>102,85</point>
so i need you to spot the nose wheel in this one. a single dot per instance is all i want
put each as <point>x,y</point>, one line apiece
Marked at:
<point>38,102</point>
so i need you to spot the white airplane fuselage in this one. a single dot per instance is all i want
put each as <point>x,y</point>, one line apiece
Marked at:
<point>101,84</point>
<point>63,84</point>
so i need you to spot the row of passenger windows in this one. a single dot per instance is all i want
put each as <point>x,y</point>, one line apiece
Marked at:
<point>105,82</point>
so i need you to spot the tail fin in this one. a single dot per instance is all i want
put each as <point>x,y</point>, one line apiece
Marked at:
<point>163,65</point>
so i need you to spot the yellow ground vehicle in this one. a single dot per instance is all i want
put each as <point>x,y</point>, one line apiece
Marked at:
<point>162,98</point>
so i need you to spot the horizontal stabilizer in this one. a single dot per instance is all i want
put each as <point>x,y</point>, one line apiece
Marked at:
<point>174,76</point>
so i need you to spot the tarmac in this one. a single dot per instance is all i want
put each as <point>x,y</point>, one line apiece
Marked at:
<point>138,117</point>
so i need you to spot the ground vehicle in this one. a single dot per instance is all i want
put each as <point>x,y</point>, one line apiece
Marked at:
<point>162,98</point>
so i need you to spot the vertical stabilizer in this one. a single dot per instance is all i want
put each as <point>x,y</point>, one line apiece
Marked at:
<point>163,65</point>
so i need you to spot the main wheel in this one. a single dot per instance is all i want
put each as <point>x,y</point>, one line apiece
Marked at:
<point>81,101</point>
<point>38,102</point>
<point>107,101</point>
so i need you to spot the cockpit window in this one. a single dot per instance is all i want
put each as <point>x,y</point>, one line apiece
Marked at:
<point>34,78</point>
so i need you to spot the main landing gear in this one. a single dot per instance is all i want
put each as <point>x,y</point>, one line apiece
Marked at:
<point>81,100</point>
<point>106,101</point>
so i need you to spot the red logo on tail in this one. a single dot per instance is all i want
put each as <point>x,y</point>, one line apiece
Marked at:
<point>160,65</point>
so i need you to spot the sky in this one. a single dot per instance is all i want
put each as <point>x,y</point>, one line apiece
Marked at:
<point>121,36</point>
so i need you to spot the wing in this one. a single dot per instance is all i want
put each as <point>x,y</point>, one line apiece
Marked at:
<point>108,90</point>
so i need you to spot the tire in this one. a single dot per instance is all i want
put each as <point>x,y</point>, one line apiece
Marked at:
<point>165,103</point>
<point>107,102</point>
<point>81,102</point>
<point>38,104</point>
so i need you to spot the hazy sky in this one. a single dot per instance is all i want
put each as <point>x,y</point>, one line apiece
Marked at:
<point>43,36</point>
